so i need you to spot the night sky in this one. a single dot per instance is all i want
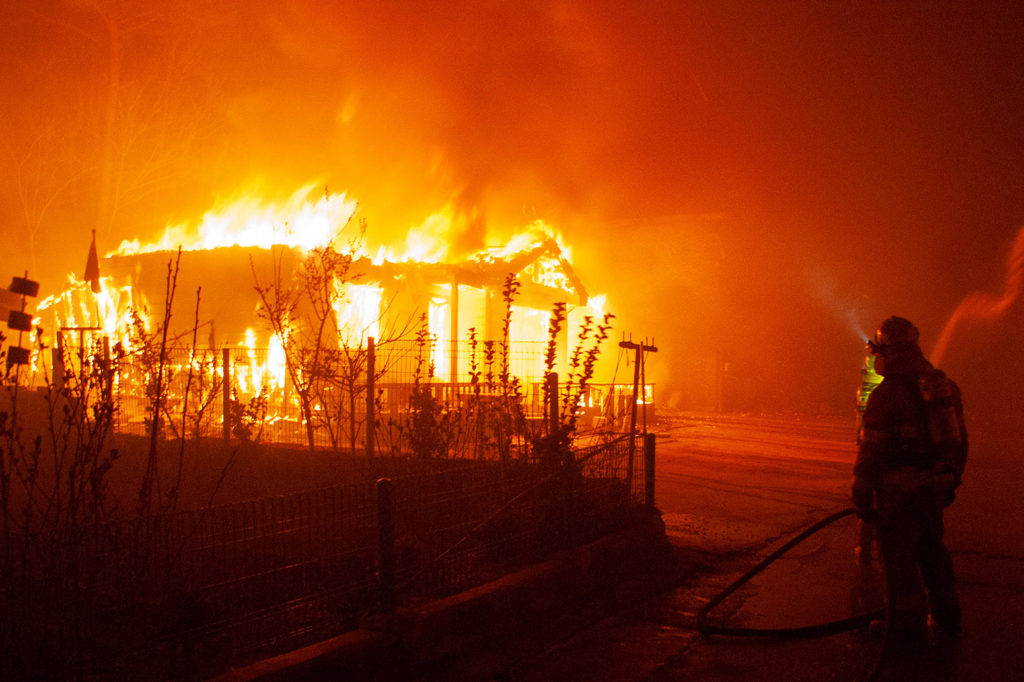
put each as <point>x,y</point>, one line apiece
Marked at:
<point>760,183</point>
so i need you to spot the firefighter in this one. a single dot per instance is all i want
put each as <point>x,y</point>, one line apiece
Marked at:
<point>897,487</point>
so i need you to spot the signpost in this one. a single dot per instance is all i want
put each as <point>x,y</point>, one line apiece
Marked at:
<point>20,321</point>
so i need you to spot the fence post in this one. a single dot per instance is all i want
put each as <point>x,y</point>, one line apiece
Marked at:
<point>386,538</point>
<point>57,356</point>
<point>649,470</point>
<point>226,390</point>
<point>551,380</point>
<point>371,435</point>
<point>108,373</point>
<point>632,416</point>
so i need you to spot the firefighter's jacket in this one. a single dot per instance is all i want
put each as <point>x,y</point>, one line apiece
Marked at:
<point>892,438</point>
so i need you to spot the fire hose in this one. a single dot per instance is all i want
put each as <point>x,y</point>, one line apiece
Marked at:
<point>819,630</point>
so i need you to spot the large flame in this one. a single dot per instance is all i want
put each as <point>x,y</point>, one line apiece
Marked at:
<point>250,221</point>
<point>309,220</point>
<point>358,309</point>
<point>424,243</point>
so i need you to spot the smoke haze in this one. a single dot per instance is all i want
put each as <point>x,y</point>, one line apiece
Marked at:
<point>752,184</point>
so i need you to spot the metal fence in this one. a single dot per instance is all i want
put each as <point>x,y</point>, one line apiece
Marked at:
<point>250,394</point>
<point>192,593</point>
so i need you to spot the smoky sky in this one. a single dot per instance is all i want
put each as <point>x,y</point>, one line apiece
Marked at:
<point>757,184</point>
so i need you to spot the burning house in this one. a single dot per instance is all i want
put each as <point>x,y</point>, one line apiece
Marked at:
<point>454,296</point>
<point>241,283</point>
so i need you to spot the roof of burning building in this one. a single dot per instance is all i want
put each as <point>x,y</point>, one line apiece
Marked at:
<point>548,273</point>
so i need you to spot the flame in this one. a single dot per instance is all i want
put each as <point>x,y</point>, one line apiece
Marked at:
<point>108,312</point>
<point>254,372</point>
<point>596,305</point>
<point>549,268</point>
<point>534,234</point>
<point>528,324</point>
<point>276,361</point>
<point>357,309</point>
<point>439,324</point>
<point>428,241</point>
<point>246,371</point>
<point>250,221</point>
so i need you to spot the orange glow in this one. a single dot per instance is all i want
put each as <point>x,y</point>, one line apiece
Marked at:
<point>249,221</point>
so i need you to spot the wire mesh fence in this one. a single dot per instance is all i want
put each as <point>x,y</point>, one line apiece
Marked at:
<point>459,528</point>
<point>191,593</point>
<point>238,578</point>
<point>478,398</point>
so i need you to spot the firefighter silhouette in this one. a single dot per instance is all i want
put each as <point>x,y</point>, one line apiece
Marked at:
<point>904,477</point>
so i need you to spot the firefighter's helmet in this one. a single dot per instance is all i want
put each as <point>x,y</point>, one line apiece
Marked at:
<point>895,333</point>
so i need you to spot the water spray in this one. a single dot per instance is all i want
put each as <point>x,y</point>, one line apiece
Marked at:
<point>825,289</point>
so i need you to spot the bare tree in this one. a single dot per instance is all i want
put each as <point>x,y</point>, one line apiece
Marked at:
<point>351,368</point>
<point>39,179</point>
<point>103,120</point>
<point>326,361</point>
<point>301,313</point>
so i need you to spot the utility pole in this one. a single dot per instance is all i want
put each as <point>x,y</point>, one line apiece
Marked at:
<point>638,377</point>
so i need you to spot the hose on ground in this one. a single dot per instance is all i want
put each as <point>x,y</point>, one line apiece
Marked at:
<point>820,630</point>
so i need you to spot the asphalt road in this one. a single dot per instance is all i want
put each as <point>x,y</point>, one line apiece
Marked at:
<point>733,489</point>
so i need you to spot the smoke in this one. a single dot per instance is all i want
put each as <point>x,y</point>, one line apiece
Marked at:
<point>982,306</point>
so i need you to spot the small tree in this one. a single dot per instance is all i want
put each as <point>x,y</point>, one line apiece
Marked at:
<point>301,313</point>
<point>553,444</point>
<point>426,430</point>
<point>351,367</point>
<point>325,363</point>
<point>152,350</point>
<point>582,364</point>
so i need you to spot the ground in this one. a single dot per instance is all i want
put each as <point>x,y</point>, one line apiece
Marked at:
<point>733,489</point>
